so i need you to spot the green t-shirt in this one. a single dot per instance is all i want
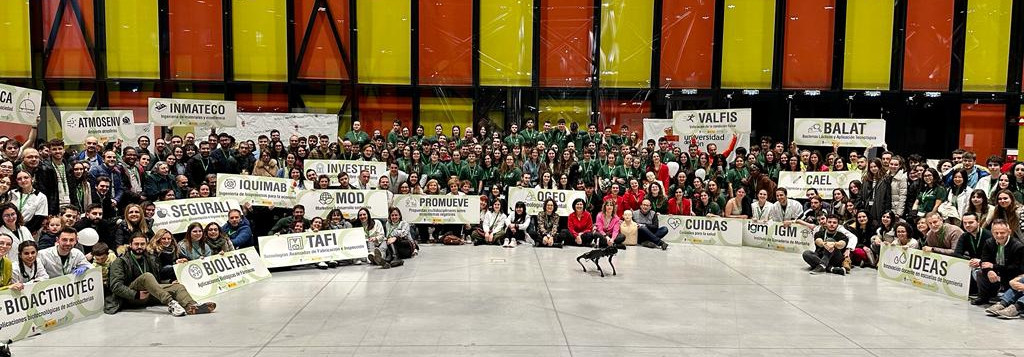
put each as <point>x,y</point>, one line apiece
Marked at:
<point>927,197</point>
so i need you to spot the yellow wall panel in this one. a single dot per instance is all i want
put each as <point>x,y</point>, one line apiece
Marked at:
<point>748,40</point>
<point>133,39</point>
<point>385,41</point>
<point>260,40</point>
<point>987,45</point>
<point>65,100</point>
<point>506,42</point>
<point>626,39</point>
<point>571,109</point>
<point>868,44</point>
<point>16,46</point>
<point>447,111</point>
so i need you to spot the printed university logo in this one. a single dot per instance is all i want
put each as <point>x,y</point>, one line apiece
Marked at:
<point>195,271</point>
<point>161,212</point>
<point>160,106</point>
<point>320,167</point>
<point>814,129</point>
<point>230,184</point>
<point>27,106</point>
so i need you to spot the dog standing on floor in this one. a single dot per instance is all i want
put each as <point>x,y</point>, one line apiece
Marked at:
<point>596,255</point>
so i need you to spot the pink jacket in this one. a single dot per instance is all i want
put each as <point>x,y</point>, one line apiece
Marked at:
<point>611,229</point>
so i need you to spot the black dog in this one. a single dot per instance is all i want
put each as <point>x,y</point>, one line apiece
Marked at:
<point>596,255</point>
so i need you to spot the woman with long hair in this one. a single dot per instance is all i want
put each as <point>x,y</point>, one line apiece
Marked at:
<point>516,226</point>
<point>545,181</point>
<point>905,237</point>
<point>606,227</point>
<point>760,208</point>
<point>659,202</point>
<point>6,264</point>
<point>133,222</point>
<point>978,205</point>
<point>492,226</point>
<point>218,241</point>
<point>194,246</point>
<point>31,202</point>
<point>79,188</point>
<point>509,174</point>
<point>738,207</point>
<point>28,269</point>
<point>373,230</point>
<point>167,253</point>
<point>548,232</point>
<point>861,227</point>
<point>877,190</point>
<point>959,193</point>
<point>931,194</point>
<point>14,226</point>
<point>1007,209</point>
<point>679,204</point>
<point>397,243</point>
<point>885,232</point>
<point>265,166</point>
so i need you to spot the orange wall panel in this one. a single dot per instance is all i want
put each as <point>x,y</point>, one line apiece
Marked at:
<point>687,43</point>
<point>929,45</point>
<point>196,39</point>
<point>566,43</point>
<point>70,57</point>
<point>323,59</point>
<point>807,61</point>
<point>982,129</point>
<point>446,42</point>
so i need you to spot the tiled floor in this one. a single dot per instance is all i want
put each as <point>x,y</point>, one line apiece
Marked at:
<point>460,301</point>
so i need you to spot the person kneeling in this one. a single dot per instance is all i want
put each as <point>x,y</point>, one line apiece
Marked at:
<point>831,244</point>
<point>134,285</point>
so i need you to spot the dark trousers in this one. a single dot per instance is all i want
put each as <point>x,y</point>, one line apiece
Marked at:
<point>987,289</point>
<point>644,234</point>
<point>557,238</point>
<point>823,257</point>
<point>586,239</point>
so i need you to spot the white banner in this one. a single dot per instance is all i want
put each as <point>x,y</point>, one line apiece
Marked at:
<point>252,125</point>
<point>176,215</point>
<point>704,230</point>
<point>221,273</point>
<point>104,125</point>
<point>439,209</point>
<point>534,199</point>
<point>655,129</point>
<point>845,132</point>
<point>320,202</point>
<point>20,105</point>
<point>312,247</point>
<point>258,190</point>
<point>713,121</point>
<point>796,183</point>
<point>940,274</point>
<point>193,112</point>
<point>776,236</point>
<point>50,304</point>
<point>332,168</point>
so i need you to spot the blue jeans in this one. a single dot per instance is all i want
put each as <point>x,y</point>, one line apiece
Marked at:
<point>645,234</point>
<point>1011,296</point>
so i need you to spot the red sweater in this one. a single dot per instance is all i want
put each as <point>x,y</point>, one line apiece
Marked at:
<point>673,207</point>
<point>582,224</point>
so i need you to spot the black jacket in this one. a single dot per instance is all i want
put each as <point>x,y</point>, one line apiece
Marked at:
<point>1013,253</point>
<point>969,246</point>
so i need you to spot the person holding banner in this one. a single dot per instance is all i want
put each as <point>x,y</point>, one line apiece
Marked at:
<point>6,266</point>
<point>1002,259</point>
<point>28,269</point>
<point>134,285</point>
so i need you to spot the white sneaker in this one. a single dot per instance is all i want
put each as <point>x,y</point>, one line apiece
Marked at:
<point>504,243</point>
<point>175,308</point>
<point>512,243</point>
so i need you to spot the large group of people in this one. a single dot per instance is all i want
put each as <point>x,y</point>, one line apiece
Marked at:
<point>956,207</point>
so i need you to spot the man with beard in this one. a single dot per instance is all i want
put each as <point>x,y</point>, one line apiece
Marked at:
<point>44,179</point>
<point>830,248</point>
<point>134,285</point>
<point>94,219</point>
<point>113,173</point>
<point>64,258</point>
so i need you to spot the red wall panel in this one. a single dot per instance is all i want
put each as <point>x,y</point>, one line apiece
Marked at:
<point>323,59</point>
<point>446,42</point>
<point>70,57</point>
<point>566,43</point>
<point>687,43</point>
<point>810,25</point>
<point>196,39</point>
<point>929,42</point>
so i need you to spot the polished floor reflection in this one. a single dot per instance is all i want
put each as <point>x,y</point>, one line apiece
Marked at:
<point>460,301</point>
